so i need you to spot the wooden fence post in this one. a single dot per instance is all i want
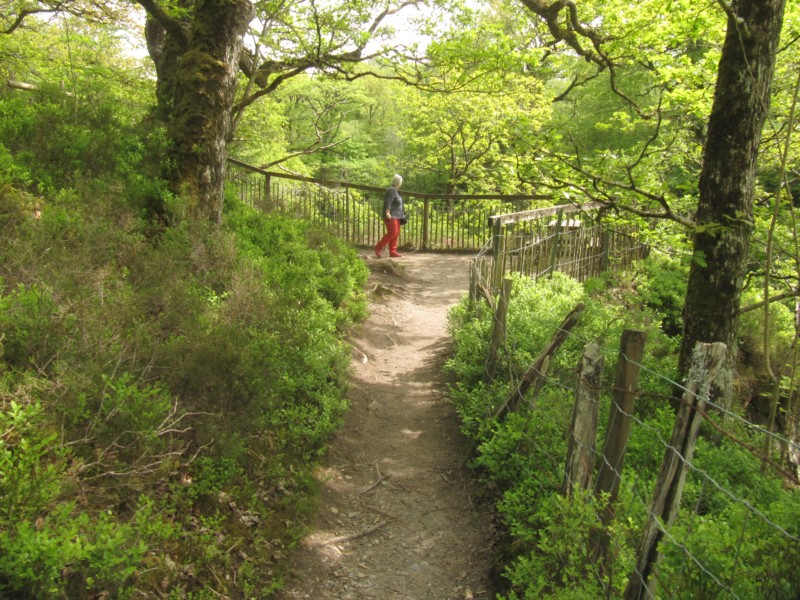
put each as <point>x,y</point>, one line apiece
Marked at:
<point>609,474</point>
<point>554,247</point>
<point>485,270</point>
<point>426,216</point>
<point>497,255</point>
<point>480,280</point>
<point>539,365</point>
<point>631,352</point>
<point>605,250</point>
<point>706,362</point>
<point>498,338</point>
<point>349,221</point>
<point>473,280</point>
<point>583,431</point>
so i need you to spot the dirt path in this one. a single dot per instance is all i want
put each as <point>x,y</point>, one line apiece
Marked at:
<point>399,516</point>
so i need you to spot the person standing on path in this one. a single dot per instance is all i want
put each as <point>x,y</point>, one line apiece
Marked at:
<point>392,213</point>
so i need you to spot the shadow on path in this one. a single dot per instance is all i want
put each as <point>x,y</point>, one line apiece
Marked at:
<point>398,516</point>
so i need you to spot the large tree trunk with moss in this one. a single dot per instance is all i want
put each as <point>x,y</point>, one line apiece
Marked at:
<point>727,181</point>
<point>196,58</point>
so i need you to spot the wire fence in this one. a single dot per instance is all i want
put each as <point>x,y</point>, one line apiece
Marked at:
<point>696,554</point>
<point>713,553</point>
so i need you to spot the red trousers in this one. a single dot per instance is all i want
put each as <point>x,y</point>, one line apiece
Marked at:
<point>391,237</point>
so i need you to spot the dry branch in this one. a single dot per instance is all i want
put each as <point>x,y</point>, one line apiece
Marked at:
<point>353,536</point>
<point>374,485</point>
<point>21,85</point>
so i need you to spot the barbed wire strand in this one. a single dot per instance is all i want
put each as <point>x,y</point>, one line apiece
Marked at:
<point>704,476</point>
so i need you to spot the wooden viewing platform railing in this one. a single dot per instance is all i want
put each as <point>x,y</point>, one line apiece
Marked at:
<point>539,242</point>
<point>352,211</point>
<point>533,242</point>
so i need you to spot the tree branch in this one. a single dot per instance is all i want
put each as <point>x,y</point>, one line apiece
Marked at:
<point>741,26</point>
<point>27,13</point>
<point>576,82</point>
<point>308,150</point>
<point>158,14</point>
<point>776,298</point>
<point>572,35</point>
<point>598,194</point>
<point>319,54</point>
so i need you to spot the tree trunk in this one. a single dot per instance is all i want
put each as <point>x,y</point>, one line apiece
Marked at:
<point>724,213</point>
<point>197,65</point>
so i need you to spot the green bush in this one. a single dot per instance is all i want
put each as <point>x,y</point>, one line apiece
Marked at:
<point>192,375</point>
<point>31,463</point>
<point>660,282</point>
<point>562,564</point>
<point>742,552</point>
<point>69,553</point>
<point>12,173</point>
<point>733,519</point>
<point>30,327</point>
<point>49,546</point>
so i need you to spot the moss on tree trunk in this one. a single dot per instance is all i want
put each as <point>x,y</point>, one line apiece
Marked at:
<point>724,215</point>
<point>197,66</point>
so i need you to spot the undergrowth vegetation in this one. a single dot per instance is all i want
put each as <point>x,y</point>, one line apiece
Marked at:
<point>165,387</point>
<point>735,518</point>
<point>165,391</point>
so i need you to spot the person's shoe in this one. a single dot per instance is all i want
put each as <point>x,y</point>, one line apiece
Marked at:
<point>395,255</point>
<point>377,252</point>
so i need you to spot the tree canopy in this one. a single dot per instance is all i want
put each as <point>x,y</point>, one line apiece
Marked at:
<point>679,118</point>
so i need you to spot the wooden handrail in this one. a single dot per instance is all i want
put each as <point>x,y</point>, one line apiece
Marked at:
<point>380,190</point>
<point>537,213</point>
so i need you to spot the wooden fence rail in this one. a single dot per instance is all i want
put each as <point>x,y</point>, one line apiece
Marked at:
<point>571,239</point>
<point>530,241</point>
<point>352,211</point>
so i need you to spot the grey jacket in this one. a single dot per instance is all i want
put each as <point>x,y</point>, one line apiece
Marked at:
<point>393,202</point>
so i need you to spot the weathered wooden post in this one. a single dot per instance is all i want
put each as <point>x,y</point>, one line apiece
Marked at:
<point>554,247</point>
<point>583,431</point>
<point>242,185</point>
<point>706,362</point>
<point>426,217</point>
<point>498,337</point>
<point>473,280</point>
<point>605,251</point>
<point>537,368</point>
<point>609,474</point>
<point>497,258</point>
<point>349,222</point>
<point>631,352</point>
